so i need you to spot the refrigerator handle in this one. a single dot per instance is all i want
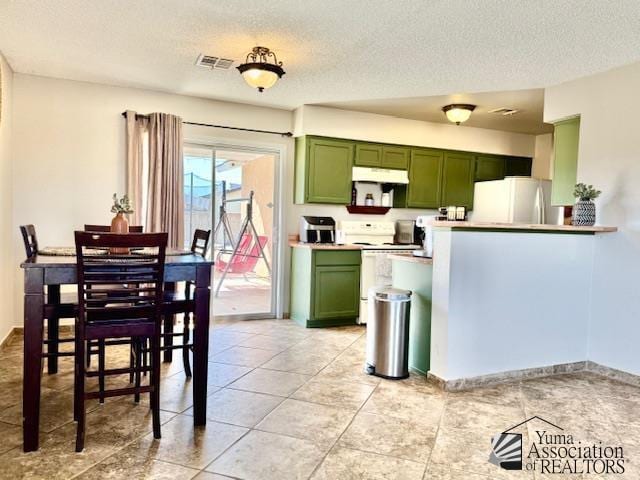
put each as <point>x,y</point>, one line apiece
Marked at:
<point>540,206</point>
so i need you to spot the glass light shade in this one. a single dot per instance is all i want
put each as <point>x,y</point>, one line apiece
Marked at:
<point>259,78</point>
<point>458,115</point>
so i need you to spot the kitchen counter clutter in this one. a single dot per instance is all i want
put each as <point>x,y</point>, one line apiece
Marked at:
<point>533,227</point>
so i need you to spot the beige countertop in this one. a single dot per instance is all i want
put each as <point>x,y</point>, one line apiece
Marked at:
<point>323,246</point>
<point>406,257</point>
<point>524,227</point>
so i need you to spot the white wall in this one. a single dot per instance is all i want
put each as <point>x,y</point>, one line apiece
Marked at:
<point>609,158</point>
<point>331,122</point>
<point>543,156</point>
<point>506,301</point>
<point>6,202</point>
<point>69,150</point>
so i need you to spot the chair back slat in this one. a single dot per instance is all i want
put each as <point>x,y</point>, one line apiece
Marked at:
<point>30,240</point>
<point>200,243</point>
<point>107,228</point>
<point>120,288</point>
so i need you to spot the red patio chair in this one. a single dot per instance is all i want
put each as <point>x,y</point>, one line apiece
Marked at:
<point>247,256</point>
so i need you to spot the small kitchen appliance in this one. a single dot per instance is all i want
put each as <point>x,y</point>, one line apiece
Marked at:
<point>317,229</point>
<point>425,222</point>
<point>405,230</point>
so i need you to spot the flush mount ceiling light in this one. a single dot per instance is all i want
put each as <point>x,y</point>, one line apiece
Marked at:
<point>258,71</point>
<point>458,112</point>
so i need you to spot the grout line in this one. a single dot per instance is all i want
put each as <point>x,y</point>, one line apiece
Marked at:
<point>343,432</point>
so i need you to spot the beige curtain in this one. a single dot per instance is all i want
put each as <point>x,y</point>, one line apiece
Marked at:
<point>136,132</point>
<point>165,200</point>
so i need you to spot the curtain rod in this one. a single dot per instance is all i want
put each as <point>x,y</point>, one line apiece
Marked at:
<point>284,134</point>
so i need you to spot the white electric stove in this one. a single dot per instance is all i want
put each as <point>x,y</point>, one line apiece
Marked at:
<point>376,240</point>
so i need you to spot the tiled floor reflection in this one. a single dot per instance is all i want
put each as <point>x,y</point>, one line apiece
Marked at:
<point>292,403</point>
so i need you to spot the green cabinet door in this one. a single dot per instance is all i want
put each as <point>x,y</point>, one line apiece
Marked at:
<point>565,163</point>
<point>395,157</point>
<point>489,167</point>
<point>457,179</point>
<point>425,173</point>
<point>328,177</point>
<point>336,292</point>
<point>518,167</point>
<point>368,155</point>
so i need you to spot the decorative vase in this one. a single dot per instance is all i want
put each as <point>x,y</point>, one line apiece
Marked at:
<point>119,224</point>
<point>584,213</point>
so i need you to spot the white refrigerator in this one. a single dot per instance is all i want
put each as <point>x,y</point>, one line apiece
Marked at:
<point>515,200</point>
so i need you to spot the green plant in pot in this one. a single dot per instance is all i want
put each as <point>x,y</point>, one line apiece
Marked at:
<point>121,207</point>
<point>584,210</point>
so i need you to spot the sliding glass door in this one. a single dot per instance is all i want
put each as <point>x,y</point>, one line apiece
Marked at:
<point>232,191</point>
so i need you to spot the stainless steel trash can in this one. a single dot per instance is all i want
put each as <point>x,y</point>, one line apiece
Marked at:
<point>388,332</point>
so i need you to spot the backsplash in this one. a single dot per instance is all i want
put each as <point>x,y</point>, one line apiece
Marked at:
<point>339,212</point>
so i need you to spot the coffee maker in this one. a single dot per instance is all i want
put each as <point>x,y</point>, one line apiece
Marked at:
<point>425,222</point>
<point>317,229</point>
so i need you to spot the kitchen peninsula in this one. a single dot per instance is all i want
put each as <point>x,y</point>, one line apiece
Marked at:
<point>509,300</point>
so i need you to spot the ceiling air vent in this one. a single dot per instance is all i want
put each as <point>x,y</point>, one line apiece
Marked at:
<point>504,111</point>
<point>207,61</point>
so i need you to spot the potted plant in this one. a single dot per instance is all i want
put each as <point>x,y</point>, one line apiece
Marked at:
<point>120,207</point>
<point>584,210</point>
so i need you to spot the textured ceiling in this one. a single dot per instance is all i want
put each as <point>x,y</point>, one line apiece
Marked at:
<point>333,50</point>
<point>529,103</point>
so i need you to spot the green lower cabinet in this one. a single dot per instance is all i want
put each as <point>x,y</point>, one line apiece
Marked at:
<point>417,277</point>
<point>336,292</point>
<point>458,180</point>
<point>489,168</point>
<point>325,287</point>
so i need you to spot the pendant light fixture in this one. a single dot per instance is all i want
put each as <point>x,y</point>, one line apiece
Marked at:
<point>258,71</point>
<point>458,112</point>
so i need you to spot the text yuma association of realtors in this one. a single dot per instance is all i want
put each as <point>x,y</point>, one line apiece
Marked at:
<point>560,453</point>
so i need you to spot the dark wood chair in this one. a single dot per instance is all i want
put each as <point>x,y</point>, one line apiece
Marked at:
<point>177,302</point>
<point>107,228</point>
<point>97,348</point>
<point>108,311</point>
<point>54,307</point>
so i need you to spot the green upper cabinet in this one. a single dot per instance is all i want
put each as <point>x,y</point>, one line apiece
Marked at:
<point>395,157</point>
<point>368,155</point>
<point>457,179</point>
<point>323,170</point>
<point>489,167</point>
<point>518,167</point>
<point>425,174</point>
<point>565,163</point>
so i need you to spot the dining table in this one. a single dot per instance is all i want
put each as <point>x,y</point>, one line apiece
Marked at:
<point>49,269</point>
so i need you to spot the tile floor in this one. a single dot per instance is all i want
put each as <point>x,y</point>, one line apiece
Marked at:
<point>292,403</point>
<point>243,295</point>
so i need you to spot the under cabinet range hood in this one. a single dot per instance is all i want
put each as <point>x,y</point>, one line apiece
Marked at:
<point>379,175</point>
